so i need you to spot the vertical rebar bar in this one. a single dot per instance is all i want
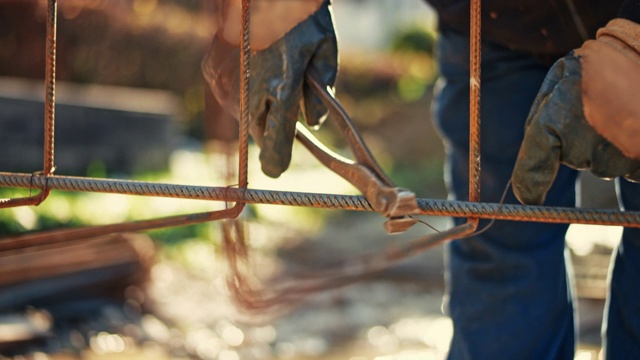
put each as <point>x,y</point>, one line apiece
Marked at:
<point>49,111</point>
<point>474,103</point>
<point>474,106</point>
<point>245,83</point>
<point>50,88</point>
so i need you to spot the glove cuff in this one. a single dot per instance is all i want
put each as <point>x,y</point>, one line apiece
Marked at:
<point>624,35</point>
<point>611,82</point>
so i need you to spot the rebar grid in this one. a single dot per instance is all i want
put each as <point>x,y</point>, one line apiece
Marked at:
<point>473,209</point>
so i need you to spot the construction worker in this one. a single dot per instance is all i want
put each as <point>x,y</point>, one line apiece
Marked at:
<point>509,292</point>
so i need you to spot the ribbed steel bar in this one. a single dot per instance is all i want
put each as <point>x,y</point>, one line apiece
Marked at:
<point>474,111</point>
<point>474,102</point>
<point>245,86</point>
<point>328,201</point>
<point>243,141</point>
<point>49,110</point>
<point>50,89</point>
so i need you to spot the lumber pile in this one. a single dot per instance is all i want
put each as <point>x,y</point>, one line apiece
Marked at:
<point>40,275</point>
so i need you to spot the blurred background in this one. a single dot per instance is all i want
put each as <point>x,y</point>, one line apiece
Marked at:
<point>131,105</point>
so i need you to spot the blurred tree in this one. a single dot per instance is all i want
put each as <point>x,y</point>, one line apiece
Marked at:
<point>414,39</point>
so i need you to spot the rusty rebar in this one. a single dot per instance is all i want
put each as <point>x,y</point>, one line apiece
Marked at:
<point>245,86</point>
<point>68,234</point>
<point>243,137</point>
<point>474,102</point>
<point>49,111</point>
<point>472,209</point>
<point>475,58</point>
<point>435,207</point>
<point>50,89</point>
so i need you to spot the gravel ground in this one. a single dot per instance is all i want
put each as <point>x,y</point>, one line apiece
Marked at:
<point>185,313</point>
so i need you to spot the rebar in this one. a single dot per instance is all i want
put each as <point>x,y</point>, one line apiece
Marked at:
<point>49,111</point>
<point>243,132</point>
<point>286,291</point>
<point>474,101</point>
<point>50,89</point>
<point>473,209</point>
<point>326,201</point>
<point>245,86</point>
<point>475,58</point>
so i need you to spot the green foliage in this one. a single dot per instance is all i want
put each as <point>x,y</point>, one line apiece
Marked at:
<point>97,169</point>
<point>67,210</point>
<point>426,180</point>
<point>414,42</point>
<point>414,39</point>
<point>412,88</point>
<point>177,235</point>
<point>28,218</point>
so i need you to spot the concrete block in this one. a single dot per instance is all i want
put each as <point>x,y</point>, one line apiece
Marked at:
<point>123,129</point>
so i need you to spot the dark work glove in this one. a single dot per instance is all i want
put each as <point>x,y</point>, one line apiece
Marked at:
<point>278,93</point>
<point>591,81</point>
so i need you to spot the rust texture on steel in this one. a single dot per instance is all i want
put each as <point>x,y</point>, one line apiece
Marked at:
<point>245,85</point>
<point>474,103</point>
<point>473,209</point>
<point>327,201</point>
<point>50,89</point>
<point>475,46</point>
<point>243,140</point>
<point>49,111</point>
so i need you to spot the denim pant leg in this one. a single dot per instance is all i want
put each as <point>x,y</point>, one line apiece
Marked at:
<point>622,311</point>
<point>507,289</point>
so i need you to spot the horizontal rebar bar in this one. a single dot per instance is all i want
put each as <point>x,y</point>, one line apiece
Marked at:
<point>326,201</point>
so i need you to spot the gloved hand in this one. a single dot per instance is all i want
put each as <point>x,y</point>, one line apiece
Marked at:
<point>586,114</point>
<point>278,93</point>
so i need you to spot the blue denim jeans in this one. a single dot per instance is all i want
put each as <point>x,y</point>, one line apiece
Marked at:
<point>621,328</point>
<point>509,290</point>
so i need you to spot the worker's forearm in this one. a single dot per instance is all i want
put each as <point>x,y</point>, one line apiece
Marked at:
<point>270,19</point>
